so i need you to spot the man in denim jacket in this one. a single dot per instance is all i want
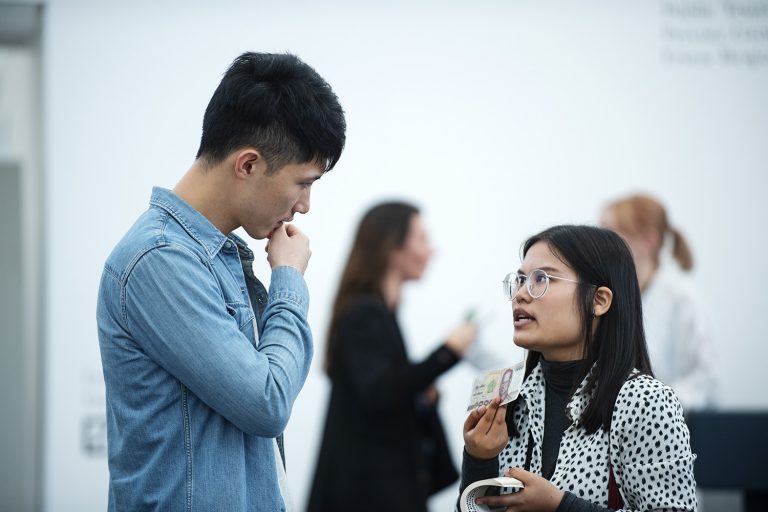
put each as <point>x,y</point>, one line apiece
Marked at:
<point>201,364</point>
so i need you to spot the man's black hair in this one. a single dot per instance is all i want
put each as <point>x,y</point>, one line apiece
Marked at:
<point>277,104</point>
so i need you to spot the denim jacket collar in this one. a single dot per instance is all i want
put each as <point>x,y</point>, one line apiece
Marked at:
<point>194,222</point>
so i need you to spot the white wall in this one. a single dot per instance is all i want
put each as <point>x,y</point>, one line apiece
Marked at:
<point>499,118</point>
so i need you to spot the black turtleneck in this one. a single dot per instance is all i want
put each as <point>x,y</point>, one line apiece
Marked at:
<point>560,378</point>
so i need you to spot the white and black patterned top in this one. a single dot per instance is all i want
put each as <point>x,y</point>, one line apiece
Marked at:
<point>649,449</point>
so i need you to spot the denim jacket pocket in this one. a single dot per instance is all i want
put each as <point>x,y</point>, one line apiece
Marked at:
<point>243,315</point>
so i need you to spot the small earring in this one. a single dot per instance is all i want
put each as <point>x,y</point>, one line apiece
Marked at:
<point>593,314</point>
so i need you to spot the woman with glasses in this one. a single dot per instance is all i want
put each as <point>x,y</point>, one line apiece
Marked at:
<point>384,448</point>
<point>677,332</point>
<point>591,430</point>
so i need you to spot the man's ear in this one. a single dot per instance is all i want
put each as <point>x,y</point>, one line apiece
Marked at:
<point>601,303</point>
<point>248,161</point>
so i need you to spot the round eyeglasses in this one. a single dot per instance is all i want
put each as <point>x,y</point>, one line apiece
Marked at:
<point>537,283</point>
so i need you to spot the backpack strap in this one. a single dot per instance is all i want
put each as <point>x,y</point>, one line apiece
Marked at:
<point>528,452</point>
<point>615,502</point>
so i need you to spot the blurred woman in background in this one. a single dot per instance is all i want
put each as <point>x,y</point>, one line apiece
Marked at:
<point>676,330</point>
<point>384,447</point>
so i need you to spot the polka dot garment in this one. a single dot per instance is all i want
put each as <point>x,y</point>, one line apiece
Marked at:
<point>648,446</point>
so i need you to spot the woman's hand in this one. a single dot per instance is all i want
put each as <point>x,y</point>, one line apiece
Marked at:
<point>431,395</point>
<point>461,337</point>
<point>485,431</point>
<point>538,495</point>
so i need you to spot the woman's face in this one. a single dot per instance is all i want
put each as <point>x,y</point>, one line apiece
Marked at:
<point>639,246</point>
<point>550,324</point>
<point>410,260</point>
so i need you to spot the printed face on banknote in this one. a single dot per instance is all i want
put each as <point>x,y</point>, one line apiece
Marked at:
<point>505,383</point>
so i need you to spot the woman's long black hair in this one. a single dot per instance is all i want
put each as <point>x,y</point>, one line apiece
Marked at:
<point>599,257</point>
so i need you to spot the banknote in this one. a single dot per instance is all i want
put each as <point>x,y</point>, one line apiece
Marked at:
<point>505,382</point>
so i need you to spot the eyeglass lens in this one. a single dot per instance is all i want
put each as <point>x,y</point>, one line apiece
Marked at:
<point>537,282</point>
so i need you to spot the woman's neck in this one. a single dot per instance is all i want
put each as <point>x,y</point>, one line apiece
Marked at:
<point>646,269</point>
<point>391,284</point>
<point>561,375</point>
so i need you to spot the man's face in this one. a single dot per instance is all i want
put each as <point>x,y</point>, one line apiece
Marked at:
<point>268,200</point>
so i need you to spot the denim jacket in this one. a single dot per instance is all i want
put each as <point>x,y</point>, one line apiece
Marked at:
<point>194,401</point>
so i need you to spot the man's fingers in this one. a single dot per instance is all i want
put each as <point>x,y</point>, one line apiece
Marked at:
<point>291,230</point>
<point>277,232</point>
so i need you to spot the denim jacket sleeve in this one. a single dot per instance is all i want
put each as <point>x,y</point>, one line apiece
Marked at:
<point>174,309</point>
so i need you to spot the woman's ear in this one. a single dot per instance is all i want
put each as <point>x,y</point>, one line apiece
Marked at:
<point>601,303</point>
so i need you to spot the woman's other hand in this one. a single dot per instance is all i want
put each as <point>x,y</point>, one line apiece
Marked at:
<point>538,495</point>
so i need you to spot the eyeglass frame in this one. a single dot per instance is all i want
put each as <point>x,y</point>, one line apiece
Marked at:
<point>506,282</point>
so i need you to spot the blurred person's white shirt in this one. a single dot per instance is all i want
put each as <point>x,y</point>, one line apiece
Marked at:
<point>678,337</point>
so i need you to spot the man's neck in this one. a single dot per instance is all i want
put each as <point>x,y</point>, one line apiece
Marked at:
<point>204,189</point>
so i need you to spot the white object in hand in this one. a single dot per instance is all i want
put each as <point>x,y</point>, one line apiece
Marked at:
<point>481,488</point>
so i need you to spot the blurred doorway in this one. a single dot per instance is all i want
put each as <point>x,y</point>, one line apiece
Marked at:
<point>21,310</point>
